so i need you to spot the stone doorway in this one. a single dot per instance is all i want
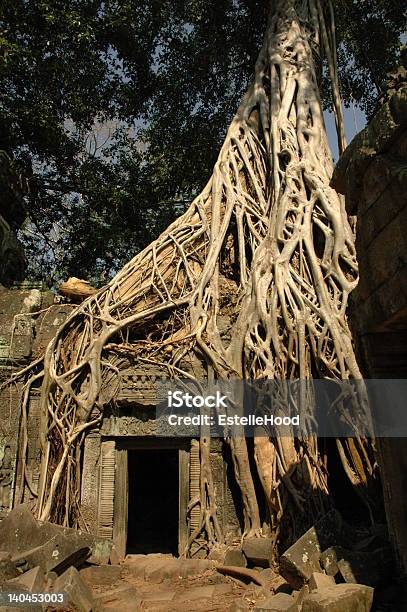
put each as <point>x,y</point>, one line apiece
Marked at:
<point>153,501</point>
<point>151,495</point>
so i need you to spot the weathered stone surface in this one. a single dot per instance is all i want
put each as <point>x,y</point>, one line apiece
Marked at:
<point>329,560</point>
<point>192,567</point>
<point>269,573</point>
<point>18,529</point>
<point>77,592</point>
<point>21,532</point>
<point>277,603</point>
<point>302,559</point>
<point>159,596</point>
<point>340,598</point>
<point>197,593</point>
<point>381,132</point>
<point>136,564</point>
<point>234,556</point>
<point>100,548</point>
<point>56,555</point>
<point>101,574</point>
<point>158,570</point>
<point>114,556</point>
<point>221,589</point>
<point>299,596</point>
<point>278,584</point>
<point>123,598</point>
<point>258,550</point>
<point>33,581</point>
<point>8,569</point>
<point>218,552</point>
<point>319,581</point>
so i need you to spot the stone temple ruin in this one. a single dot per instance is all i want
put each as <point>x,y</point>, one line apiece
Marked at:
<point>124,454</point>
<point>113,453</point>
<point>116,454</point>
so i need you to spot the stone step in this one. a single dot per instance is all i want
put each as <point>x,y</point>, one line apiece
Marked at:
<point>155,569</point>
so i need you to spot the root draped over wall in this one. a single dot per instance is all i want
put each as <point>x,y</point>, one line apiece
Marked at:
<point>267,242</point>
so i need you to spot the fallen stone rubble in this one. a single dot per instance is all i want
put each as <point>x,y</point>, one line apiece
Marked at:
<point>328,569</point>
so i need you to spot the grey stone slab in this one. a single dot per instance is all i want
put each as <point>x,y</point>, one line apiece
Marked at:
<point>159,596</point>
<point>234,556</point>
<point>33,580</point>
<point>55,555</point>
<point>197,593</point>
<point>101,574</point>
<point>319,581</point>
<point>340,598</point>
<point>277,603</point>
<point>302,558</point>
<point>77,592</point>
<point>258,551</point>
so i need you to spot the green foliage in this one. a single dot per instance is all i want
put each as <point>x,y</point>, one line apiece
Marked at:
<point>116,109</point>
<point>368,47</point>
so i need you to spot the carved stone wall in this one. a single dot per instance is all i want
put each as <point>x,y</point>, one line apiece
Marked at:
<point>28,319</point>
<point>372,173</point>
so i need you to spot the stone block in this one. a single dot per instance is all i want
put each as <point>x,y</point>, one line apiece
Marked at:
<point>123,598</point>
<point>234,556</point>
<point>55,555</point>
<point>277,603</point>
<point>33,581</point>
<point>159,596</point>
<point>20,532</point>
<point>340,598</point>
<point>158,570</point>
<point>302,559</point>
<point>193,567</point>
<point>136,565</point>
<point>222,589</point>
<point>329,560</point>
<point>100,548</point>
<point>103,575</point>
<point>197,593</point>
<point>114,556</point>
<point>319,581</point>
<point>258,550</point>
<point>77,592</point>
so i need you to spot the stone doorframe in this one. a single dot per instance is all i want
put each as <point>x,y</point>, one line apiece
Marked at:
<point>120,506</point>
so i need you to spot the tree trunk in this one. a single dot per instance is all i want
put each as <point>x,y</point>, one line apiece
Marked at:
<point>266,245</point>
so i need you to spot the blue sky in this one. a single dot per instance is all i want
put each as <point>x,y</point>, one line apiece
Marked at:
<point>355,120</point>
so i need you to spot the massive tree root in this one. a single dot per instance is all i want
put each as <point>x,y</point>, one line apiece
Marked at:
<point>267,249</point>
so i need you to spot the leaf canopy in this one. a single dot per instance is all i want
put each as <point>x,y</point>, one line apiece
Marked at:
<point>116,110</point>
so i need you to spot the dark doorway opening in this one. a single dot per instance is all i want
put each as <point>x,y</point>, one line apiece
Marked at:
<point>153,514</point>
<point>344,494</point>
